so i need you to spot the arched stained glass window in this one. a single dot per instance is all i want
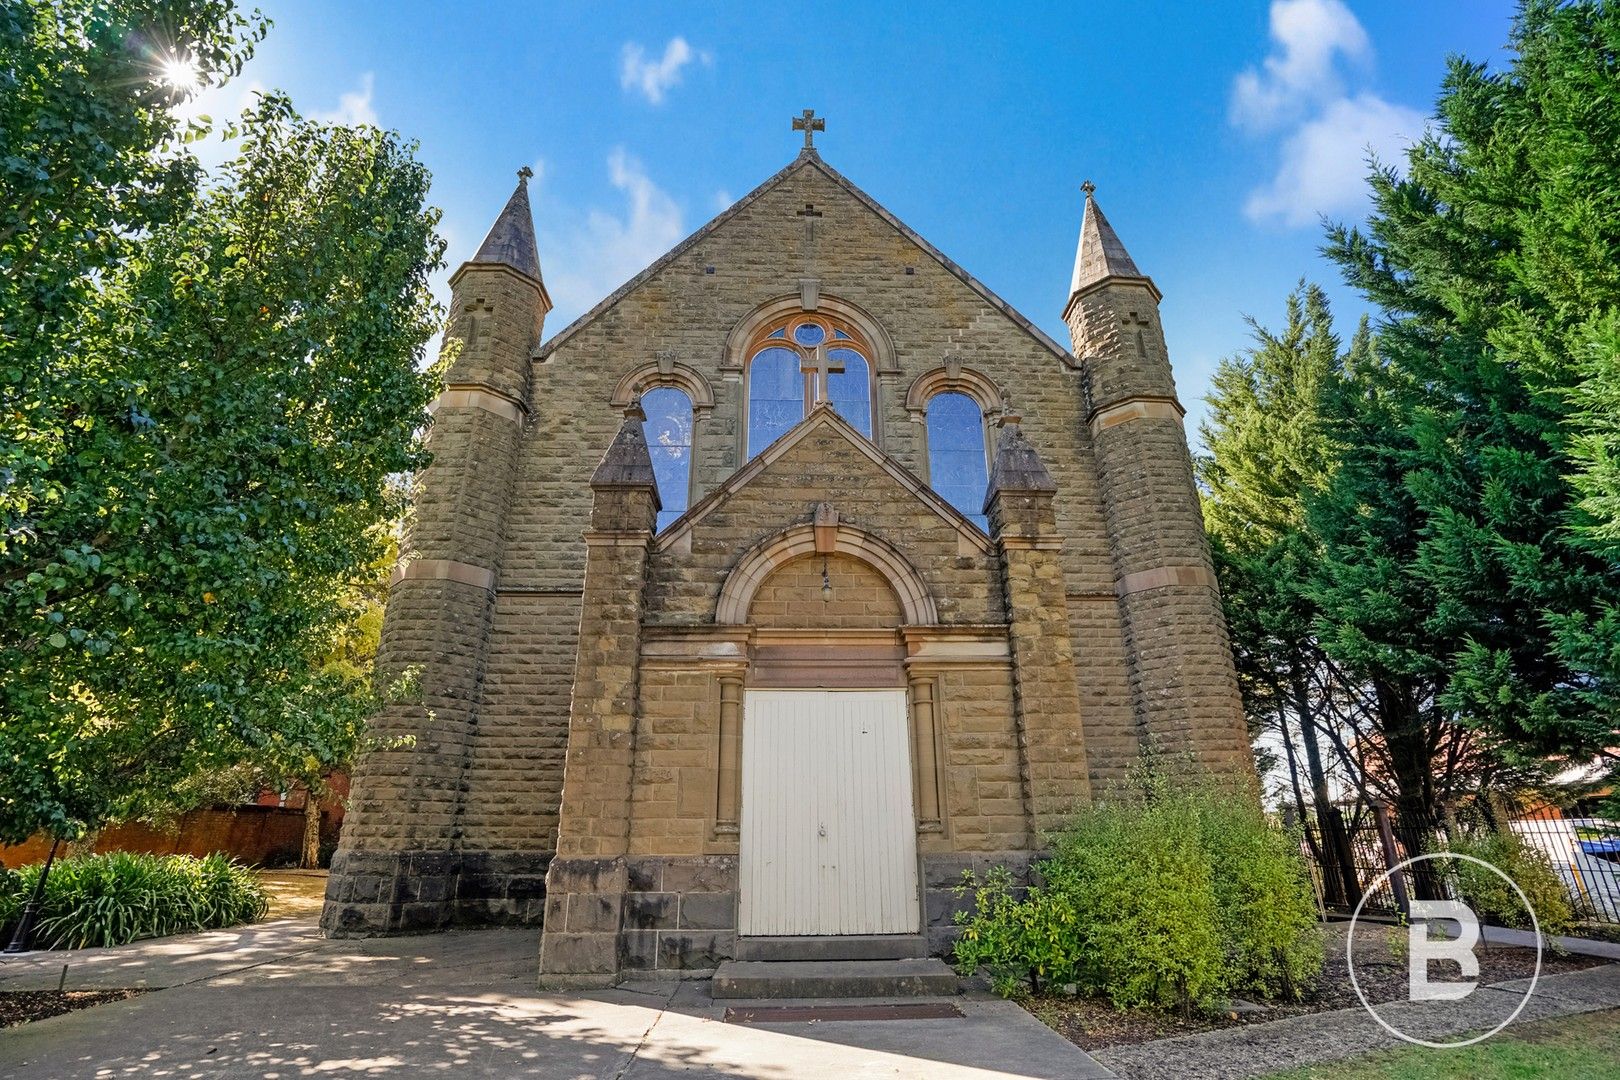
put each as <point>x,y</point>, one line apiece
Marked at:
<point>668,428</point>
<point>775,396</point>
<point>850,389</point>
<point>958,468</point>
<point>794,362</point>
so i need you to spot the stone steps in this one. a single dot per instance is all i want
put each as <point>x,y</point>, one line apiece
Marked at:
<point>773,980</point>
<point>855,947</point>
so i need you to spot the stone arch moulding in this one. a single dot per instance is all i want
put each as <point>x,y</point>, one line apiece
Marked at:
<point>952,377</point>
<point>663,372</point>
<point>736,358</point>
<point>737,595</point>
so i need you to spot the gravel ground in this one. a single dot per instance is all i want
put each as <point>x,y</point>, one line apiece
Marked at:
<point>293,893</point>
<point>1380,968</point>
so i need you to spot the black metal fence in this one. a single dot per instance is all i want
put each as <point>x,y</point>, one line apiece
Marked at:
<point>1351,850</point>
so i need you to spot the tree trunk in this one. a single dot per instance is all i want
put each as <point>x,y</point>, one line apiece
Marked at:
<point>1338,865</point>
<point>1406,739</point>
<point>310,857</point>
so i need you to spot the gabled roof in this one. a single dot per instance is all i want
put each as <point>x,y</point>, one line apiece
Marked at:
<point>824,417</point>
<point>807,159</point>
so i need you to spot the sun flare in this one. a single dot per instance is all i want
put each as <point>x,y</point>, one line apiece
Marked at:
<point>181,74</point>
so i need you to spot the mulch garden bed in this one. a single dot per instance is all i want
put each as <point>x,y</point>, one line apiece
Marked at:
<point>21,1006</point>
<point>1092,1024</point>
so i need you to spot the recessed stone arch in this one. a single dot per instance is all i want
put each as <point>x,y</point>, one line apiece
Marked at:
<point>736,349</point>
<point>737,594</point>
<point>665,372</point>
<point>952,377</point>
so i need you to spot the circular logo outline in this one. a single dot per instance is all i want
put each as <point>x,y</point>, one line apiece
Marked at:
<point>1350,939</point>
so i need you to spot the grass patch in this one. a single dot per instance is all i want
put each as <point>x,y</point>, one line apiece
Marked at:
<point>1567,1048</point>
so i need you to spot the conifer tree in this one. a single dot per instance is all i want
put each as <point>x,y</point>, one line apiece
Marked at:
<point>1460,571</point>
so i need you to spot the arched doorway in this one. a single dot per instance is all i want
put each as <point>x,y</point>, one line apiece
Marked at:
<point>828,822</point>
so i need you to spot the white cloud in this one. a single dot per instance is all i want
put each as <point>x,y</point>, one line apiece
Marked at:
<point>651,78</point>
<point>1325,131</point>
<point>353,107</point>
<point>586,264</point>
<point>723,201</point>
<point>1324,163</point>
<point>1308,38</point>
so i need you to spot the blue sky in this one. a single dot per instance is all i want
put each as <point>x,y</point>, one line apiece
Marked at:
<point>1216,133</point>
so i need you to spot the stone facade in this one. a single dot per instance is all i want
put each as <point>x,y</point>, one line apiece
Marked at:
<point>574,757</point>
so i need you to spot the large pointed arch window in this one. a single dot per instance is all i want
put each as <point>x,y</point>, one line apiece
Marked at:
<point>668,428</point>
<point>958,466</point>
<point>796,361</point>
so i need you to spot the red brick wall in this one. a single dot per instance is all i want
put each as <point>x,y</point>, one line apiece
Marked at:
<point>253,834</point>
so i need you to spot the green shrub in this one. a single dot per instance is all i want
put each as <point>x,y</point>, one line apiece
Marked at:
<point>119,897</point>
<point>1169,900</point>
<point>1265,900</point>
<point>1491,898</point>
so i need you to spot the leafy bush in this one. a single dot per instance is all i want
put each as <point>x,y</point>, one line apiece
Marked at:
<point>1171,899</point>
<point>120,897</point>
<point>1491,898</point>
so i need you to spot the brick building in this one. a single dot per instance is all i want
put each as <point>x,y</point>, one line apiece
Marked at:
<point>797,576</point>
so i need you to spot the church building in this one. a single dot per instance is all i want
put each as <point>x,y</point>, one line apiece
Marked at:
<point>798,576</point>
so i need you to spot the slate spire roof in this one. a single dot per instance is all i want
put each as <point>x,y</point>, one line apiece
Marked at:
<point>511,239</point>
<point>1101,254</point>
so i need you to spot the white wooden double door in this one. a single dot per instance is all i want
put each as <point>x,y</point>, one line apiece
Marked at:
<point>829,836</point>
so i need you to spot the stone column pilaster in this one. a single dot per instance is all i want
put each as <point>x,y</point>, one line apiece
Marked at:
<point>585,884</point>
<point>1046,693</point>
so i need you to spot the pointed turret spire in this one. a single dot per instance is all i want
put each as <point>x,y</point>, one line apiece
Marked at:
<point>511,239</point>
<point>1101,254</point>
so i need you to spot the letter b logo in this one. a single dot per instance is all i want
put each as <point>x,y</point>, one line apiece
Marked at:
<point>1422,950</point>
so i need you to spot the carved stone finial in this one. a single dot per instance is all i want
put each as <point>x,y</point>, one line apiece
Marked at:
<point>634,411</point>
<point>1089,188</point>
<point>525,174</point>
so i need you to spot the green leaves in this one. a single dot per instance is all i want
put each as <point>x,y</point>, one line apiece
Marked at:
<point>1162,900</point>
<point>213,404</point>
<point>96,901</point>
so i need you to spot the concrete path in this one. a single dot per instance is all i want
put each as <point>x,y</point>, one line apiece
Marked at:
<point>276,1000</point>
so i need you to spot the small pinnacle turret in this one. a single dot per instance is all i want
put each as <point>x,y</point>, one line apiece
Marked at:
<point>1018,467</point>
<point>511,239</point>
<point>628,461</point>
<point>1101,254</point>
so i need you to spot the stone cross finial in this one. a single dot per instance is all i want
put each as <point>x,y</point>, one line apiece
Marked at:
<point>1010,417</point>
<point>525,174</point>
<point>809,123</point>
<point>1089,188</point>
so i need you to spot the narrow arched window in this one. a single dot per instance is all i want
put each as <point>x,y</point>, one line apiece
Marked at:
<point>775,396</point>
<point>800,359</point>
<point>849,388</point>
<point>668,428</point>
<point>958,468</point>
